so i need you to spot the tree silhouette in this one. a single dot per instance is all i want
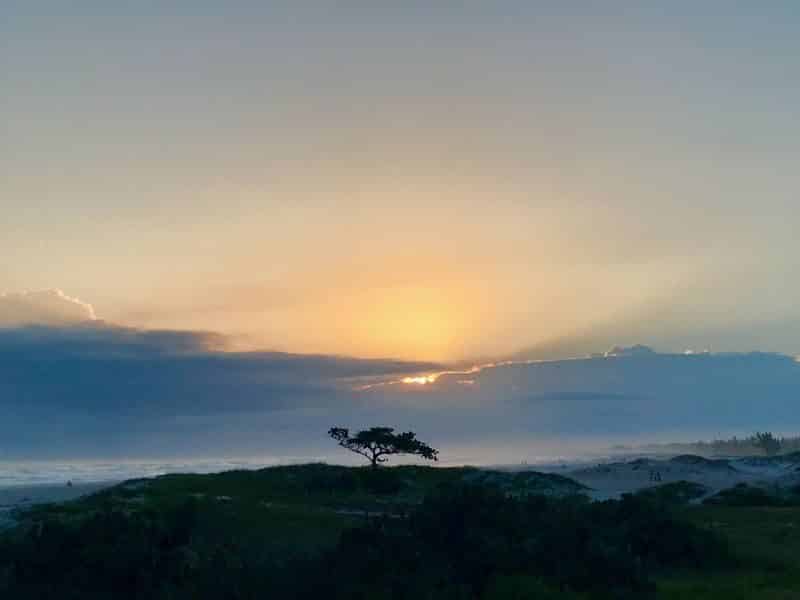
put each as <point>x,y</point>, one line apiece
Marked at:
<point>767,442</point>
<point>377,443</point>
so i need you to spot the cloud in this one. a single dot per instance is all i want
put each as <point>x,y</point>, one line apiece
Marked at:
<point>635,391</point>
<point>101,339</point>
<point>44,307</point>
<point>98,389</point>
<point>88,388</point>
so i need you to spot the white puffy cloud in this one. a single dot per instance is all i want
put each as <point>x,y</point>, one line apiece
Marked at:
<point>43,307</point>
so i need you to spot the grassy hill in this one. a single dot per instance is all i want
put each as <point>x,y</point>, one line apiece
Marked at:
<point>294,507</point>
<point>451,532</point>
<point>766,543</point>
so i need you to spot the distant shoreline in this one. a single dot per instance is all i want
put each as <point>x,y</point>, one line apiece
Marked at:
<point>24,496</point>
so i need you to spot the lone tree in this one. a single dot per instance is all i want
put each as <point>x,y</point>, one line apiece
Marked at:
<point>767,442</point>
<point>377,443</point>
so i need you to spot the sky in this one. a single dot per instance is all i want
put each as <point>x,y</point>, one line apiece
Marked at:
<point>82,389</point>
<point>426,183</point>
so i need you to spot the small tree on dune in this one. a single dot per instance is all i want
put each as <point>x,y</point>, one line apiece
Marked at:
<point>377,443</point>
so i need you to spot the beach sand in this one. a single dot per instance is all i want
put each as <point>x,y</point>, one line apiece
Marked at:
<point>611,480</point>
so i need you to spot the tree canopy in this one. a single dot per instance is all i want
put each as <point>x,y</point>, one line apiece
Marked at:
<point>377,443</point>
<point>767,442</point>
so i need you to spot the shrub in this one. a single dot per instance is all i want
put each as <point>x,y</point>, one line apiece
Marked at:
<point>381,481</point>
<point>462,542</point>
<point>471,537</point>
<point>675,493</point>
<point>745,495</point>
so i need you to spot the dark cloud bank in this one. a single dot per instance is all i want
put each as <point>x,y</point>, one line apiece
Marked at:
<point>97,390</point>
<point>105,390</point>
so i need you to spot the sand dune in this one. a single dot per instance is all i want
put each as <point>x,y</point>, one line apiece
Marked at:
<point>605,480</point>
<point>610,480</point>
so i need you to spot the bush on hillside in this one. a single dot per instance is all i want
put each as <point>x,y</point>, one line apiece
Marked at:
<point>674,493</point>
<point>462,542</point>
<point>743,494</point>
<point>462,539</point>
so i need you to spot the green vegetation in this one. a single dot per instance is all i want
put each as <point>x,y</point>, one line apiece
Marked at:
<point>402,532</point>
<point>463,539</point>
<point>766,544</point>
<point>767,442</point>
<point>743,494</point>
<point>674,494</point>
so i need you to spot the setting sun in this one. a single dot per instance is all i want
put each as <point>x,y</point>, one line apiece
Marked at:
<point>421,380</point>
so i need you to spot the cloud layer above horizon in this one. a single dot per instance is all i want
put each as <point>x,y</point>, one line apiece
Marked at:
<point>89,389</point>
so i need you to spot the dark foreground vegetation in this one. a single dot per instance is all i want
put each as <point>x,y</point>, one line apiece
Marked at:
<point>408,532</point>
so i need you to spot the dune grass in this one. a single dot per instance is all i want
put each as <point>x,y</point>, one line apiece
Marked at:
<point>304,509</point>
<point>766,542</point>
